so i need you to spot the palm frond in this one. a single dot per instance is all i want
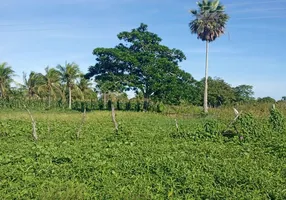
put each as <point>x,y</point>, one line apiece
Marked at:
<point>194,12</point>
<point>215,5</point>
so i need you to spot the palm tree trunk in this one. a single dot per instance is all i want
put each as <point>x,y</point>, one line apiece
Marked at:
<point>206,80</point>
<point>29,95</point>
<point>49,97</point>
<point>2,90</point>
<point>104,99</point>
<point>146,102</point>
<point>70,97</point>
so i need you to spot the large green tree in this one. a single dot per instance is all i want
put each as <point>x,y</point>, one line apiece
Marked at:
<point>142,63</point>
<point>220,92</point>
<point>6,78</point>
<point>209,23</point>
<point>177,89</point>
<point>244,93</point>
<point>69,73</point>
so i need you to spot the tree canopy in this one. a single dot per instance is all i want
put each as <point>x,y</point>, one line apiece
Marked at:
<point>244,93</point>
<point>141,64</point>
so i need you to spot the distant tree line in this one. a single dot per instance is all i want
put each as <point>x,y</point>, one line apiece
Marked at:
<point>140,63</point>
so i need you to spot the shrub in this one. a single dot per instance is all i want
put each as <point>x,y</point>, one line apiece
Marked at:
<point>247,125</point>
<point>276,120</point>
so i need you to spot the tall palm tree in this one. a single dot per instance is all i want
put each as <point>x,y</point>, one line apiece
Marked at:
<point>32,83</point>
<point>69,73</point>
<point>50,82</point>
<point>209,24</point>
<point>6,74</point>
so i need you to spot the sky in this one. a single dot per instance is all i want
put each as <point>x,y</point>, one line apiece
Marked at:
<point>39,33</point>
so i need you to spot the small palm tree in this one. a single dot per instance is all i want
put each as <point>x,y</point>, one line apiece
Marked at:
<point>69,73</point>
<point>50,83</point>
<point>84,85</point>
<point>6,74</point>
<point>32,83</point>
<point>209,24</point>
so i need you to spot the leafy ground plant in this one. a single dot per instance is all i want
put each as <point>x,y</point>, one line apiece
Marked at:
<point>141,162</point>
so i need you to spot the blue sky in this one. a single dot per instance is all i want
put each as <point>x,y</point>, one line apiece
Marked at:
<point>38,33</point>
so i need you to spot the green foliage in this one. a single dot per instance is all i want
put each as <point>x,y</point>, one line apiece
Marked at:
<point>32,83</point>
<point>244,93</point>
<point>208,129</point>
<point>84,85</point>
<point>50,83</point>
<point>143,65</point>
<point>141,162</point>
<point>277,120</point>
<point>266,100</point>
<point>219,92</point>
<point>212,127</point>
<point>247,126</point>
<point>160,107</point>
<point>6,74</point>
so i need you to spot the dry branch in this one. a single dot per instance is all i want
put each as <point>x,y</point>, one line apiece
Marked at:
<point>237,114</point>
<point>33,123</point>
<point>177,126</point>
<point>82,123</point>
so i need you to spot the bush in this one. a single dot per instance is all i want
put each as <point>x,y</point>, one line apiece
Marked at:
<point>160,107</point>
<point>212,128</point>
<point>247,125</point>
<point>276,120</point>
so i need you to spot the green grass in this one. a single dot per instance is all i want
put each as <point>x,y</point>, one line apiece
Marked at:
<point>147,159</point>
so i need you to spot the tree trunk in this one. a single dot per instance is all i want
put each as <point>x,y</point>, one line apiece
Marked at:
<point>33,124</point>
<point>206,80</point>
<point>104,100</point>
<point>113,117</point>
<point>2,95</point>
<point>146,102</point>
<point>83,95</point>
<point>49,97</point>
<point>70,98</point>
<point>29,94</point>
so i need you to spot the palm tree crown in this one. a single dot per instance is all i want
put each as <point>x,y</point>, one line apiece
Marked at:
<point>84,85</point>
<point>50,83</point>
<point>69,73</point>
<point>210,20</point>
<point>6,74</point>
<point>32,83</point>
<point>52,75</point>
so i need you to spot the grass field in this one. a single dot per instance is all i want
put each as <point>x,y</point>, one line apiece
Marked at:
<point>147,159</point>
